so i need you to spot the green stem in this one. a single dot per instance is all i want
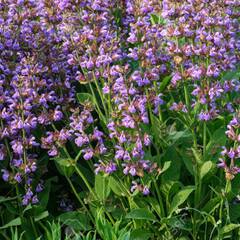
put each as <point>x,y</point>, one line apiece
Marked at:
<point>159,198</point>
<point>186,96</point>
<point>34,228</point>
<point>79,199</point>
<point>204,140</point>
<point>110,218</point>
<point>4,235</point>
<point>96,103</point>
<point>85,181</point>
<point>100,94</point>
<point>227,190</point>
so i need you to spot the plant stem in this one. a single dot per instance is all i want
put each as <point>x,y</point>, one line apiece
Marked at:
<point>34,228</point>
<point>79,199</point>
<point>97,106</point>
<point>159,198</point>
<point>101,95</point>
<point>227,190</point>
<point>204,140</point>
<point>85,181</point>
<point>186,96</point>
<point>4,235</point>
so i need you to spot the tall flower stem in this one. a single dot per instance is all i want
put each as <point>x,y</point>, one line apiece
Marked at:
<point>159,199</point>
<point>204,140</point>
<point>79,199</point>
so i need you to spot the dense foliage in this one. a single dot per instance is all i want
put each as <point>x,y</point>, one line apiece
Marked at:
<point>119,119</point>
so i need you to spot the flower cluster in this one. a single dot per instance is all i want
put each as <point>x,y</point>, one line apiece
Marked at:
<point>202,37</point>
<point>230,155</point>
<point>215,96</point>
<point>121,53</point>
<point>35,85</point>
<point>202,40</point>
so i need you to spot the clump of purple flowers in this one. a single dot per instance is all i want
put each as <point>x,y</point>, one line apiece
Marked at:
<point>50,50</point>
<point>230,155</point>
<point>202,40</point>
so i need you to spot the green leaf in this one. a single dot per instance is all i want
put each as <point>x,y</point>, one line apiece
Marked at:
<point>188,161</point>
<point>65,166</point>
<point>230,227</point>
<point>102,187</point>
<point>164,83</point>
<point>140,234</point>
<point>116,187</point>
<point>173,172</point>
<point>41,216</point>
<point>169,188</point>
<point>124,236</point>
<point>212,205</point>
<point>44,195</point>
<point>141,213</point>
<point>84,97</point>
<point>76,220</point>
<point>157,19</point>
<point>14,222</point>
<point>217,140</point>
<point>205,169</point>
<point>28,207</point>
<point>179,135</point>
<point>234,212</point>
<point>180,198</point>
<point>156,129</point>
<point>11,208</point>
<point>166,166</point>
<point>5,199</point>
<point>229,75</point>
<point>154,204</point>
<point>178,222</point>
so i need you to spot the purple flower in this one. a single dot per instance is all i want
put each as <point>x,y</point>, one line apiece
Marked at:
<point>25,201</point>
<point>5,175</point>
<point>88,153</point>
<point>146,190</point>
<point>128,122</point>
<point>2,152</point>
<point>175,78</point>
<point>132,170</point>
<point>106,89</point>
<point>35,199</point>
<point>18,177</point>
<point>231,153</point>
<point>97,134</point>
<point>53,152</point>
<point>58,115</point>
<point>119,153</point>
<point>204,116</point>
<point>134,186</point>
<point>17,147</point>
<point>147,140</point>
<point>110,168</point>
<point>39,188</point>
<point>81,140</point>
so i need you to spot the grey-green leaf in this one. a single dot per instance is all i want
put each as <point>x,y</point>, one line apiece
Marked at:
<point>84,97</point>
<point>116,187</point>
<point>76,220</point>
<point>180,198</point>
<point>41,216</point>
<point>14,222</point>
<point>166,166</point>
<point>205,169</point>
<point>102,187</point>
<point>141,213</point>
<point>230,227</point>
<point>140,234</point>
